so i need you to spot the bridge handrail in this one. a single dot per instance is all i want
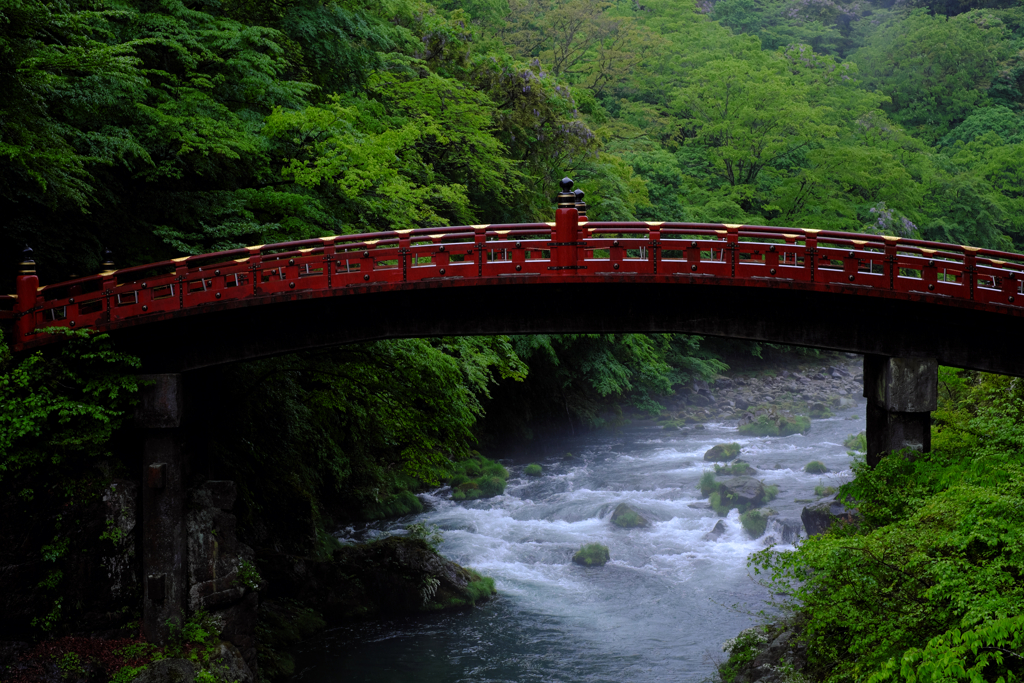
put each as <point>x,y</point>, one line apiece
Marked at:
<point>570,247</point>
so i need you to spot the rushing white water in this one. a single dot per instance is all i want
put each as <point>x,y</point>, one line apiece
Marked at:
<point>658,611</point>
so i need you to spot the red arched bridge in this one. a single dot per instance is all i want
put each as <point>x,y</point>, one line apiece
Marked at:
<point>907,304</point>
<point>871,294</point>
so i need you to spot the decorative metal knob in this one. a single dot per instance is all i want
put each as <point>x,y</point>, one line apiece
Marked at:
<point>108,260</point>
<point>566,198</point>
<point>28,264</point>
<point>581,205</point>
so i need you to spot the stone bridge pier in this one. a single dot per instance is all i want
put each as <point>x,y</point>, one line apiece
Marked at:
<point>901,394</point>
<point>191,558</point>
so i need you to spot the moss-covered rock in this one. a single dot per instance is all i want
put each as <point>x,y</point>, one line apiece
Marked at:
<point>533,470</point>
<point>819,411</point>
<point>742,493</point>
<point>722,452</point>
<point>592,555</point>
<point>478,477</point>
<point>737,469</point>
<point>768,421</point>
<point>756,521</point>
<point>628,518</point>
<point>815,467</point>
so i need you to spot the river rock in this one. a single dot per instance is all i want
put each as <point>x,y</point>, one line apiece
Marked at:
<point>366,579</point>
<point>168,671</point>
<point>628,518</point>
<point>716,533</point>
<point>742,492</point>
<point>817,518</point>
<point>723,452</point>
<point>784,529</point>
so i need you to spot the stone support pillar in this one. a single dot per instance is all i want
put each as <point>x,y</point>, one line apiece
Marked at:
<point>164,545</point>
<point>901,394</point>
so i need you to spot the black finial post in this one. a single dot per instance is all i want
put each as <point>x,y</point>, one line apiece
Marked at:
<point>28,264</point>
<point>108,260</point>
<point>566,198</point>
<point>581,205</point>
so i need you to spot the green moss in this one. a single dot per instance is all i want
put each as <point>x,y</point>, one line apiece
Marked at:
<point>815,467</point>
<point>857,442</point>
<point>755,521</point>
<point>478,477</point>
<point>776,425</point>
<point>628,518</point>
<point>823,491</point>
<point>592,555</point>
<point>533,470</point>
<point>480,588</point>
<point>736,469</point>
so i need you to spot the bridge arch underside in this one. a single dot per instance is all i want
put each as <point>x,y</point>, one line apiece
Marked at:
<point>861,322</point>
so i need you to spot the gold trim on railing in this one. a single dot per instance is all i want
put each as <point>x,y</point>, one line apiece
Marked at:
<point>655,224</point>
<point>972,250</point>
<point>256,248</point>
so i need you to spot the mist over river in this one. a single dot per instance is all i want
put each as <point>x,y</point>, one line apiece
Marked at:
<point>658,611</point>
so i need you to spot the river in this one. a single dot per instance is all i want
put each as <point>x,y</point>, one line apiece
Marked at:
<point>658,611</point>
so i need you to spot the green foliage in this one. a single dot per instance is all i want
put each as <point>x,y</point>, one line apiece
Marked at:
<point>592,555</point>
<point>857,442</point>
<point>742,649</point>
<point>432,535</point>
<point>927,586</point>
<point>248,575</point>
<point>815,467</point>
<point>821,490</point>
<point>533,470</point>
<point>707,483</point>
<point>736,469</point>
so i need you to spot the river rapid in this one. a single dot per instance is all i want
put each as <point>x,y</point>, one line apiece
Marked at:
<point>658,611</point>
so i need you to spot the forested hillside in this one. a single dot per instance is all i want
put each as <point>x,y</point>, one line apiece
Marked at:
<point>158,128</point>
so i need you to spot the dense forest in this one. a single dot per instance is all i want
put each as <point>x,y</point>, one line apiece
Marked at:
<point>159,128</point>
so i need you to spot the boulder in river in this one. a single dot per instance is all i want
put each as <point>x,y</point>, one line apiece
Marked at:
<point>819,517</point>
<point>818,411</point>
<point>716,533</point>
<point>768,421</point>
<point>628,518</point>
<point>783,530</point>
<point>723,452</point>
<point>743,493</point>
<point>592,555</point>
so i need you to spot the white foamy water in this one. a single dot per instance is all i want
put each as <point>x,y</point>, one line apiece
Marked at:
<point>658,611</point>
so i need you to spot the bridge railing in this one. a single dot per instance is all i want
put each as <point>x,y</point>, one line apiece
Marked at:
<point>569,249</point>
